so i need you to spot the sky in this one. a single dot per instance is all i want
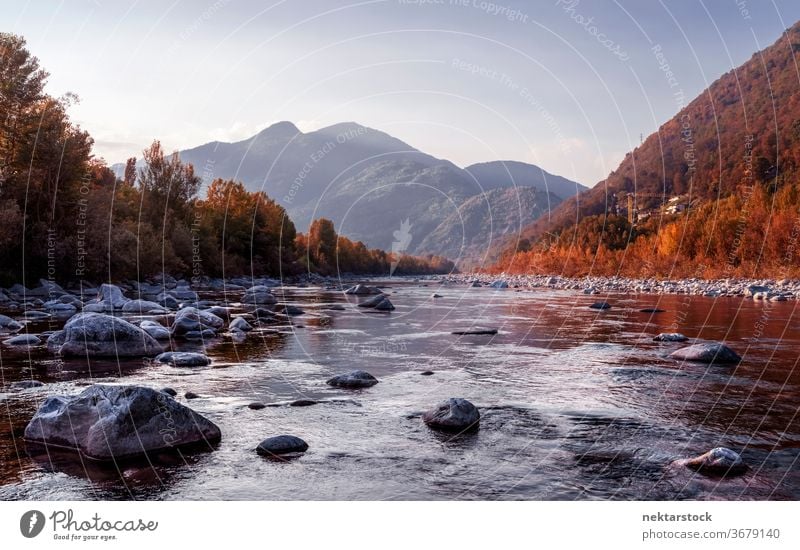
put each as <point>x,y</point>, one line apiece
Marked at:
<point>568,85</point>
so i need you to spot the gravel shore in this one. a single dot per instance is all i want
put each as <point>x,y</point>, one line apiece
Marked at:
<point>757,289</point>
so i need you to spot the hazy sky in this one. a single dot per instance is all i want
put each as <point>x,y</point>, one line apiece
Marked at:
<point>568,85</point>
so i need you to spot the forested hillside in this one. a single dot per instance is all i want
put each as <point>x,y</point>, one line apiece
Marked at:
<point>713,192</point>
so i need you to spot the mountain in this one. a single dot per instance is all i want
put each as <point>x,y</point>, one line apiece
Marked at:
<point>509,173</point>
<point>738,139</point>
<point>366,181</point>
<point>471,235</point>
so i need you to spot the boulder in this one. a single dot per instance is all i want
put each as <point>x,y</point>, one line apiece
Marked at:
<point>719,461</point>
<point>752,290</point>
<point>259,295</point>
<point>183,359</point>
<point>111,296</point>
<point>191,319</point>
<point>167,300</point>
<point>355,379</point>
<point>8,324</point>
<point>256,406</point>
<point>362,290</point>
<point>600,305</point>
<point>191,395</point>
<point>288,309</point>
<point>24,340</point>
<point>156,330</point>
<point>378,303</point>
<point>240,324</point>
<point>499,284</point>
<point>281,445</point>
<point>372,302</point>
<point>115,422</point>
<point>707,353</point>
<point>455,414</point>
<point>670,337</point>
<point>143,306</point>
<point>100,335</point>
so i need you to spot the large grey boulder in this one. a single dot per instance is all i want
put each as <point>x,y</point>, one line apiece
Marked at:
<point>100,335</point>
<point>114,422</point>
<point>190,320</point>
<point>707,353</point>
<point>355,379</point>
<point>259,295</point>
<point>455,414</point>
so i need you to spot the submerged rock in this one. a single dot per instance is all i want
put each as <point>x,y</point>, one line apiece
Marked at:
<point>600,305</point>
<point>355,379</point>
<point>475,331</point>
<point>455,414</point>
<point>719,461</point>
<point>114,422</point>
<point>184,359</point>
<point>707,353</point>
<point>281,445</point>
<point>670,337</point>
<point>256,406</point>
<point>651,310</point>
<point>100,335</point>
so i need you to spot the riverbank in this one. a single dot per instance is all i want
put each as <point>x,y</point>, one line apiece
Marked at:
<point>758,289</point>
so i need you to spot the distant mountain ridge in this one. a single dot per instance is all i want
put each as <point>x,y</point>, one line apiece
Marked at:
<point>369,182</point>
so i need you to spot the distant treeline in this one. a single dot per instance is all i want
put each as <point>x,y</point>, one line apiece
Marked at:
<point>66,216</point>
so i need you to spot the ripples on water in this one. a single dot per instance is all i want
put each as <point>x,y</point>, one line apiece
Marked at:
<point>575,403</point>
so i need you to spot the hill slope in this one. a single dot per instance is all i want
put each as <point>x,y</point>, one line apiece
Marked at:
<point>742,132</point>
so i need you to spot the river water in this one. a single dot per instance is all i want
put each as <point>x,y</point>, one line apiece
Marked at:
<point>575,403</point>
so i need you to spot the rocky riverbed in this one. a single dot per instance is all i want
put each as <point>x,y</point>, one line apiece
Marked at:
<point>757,289</point>
<point>438,387</point>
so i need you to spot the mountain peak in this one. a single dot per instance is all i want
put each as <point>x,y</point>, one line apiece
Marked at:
<point>280,130</point>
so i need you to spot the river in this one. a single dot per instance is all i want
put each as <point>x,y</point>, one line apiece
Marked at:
<point>575,403</point>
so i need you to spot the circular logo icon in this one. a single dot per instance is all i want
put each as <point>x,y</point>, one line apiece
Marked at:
<point>31,523</point>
